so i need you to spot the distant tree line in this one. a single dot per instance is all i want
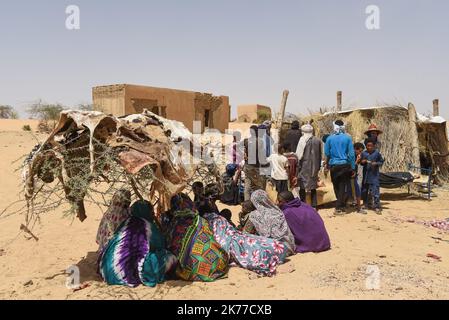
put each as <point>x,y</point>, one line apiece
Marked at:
<point>47,113</point>
<point>8,112</point>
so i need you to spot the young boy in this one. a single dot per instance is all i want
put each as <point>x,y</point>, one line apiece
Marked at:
<point>279,165</point>
<point>292,169</point>
<point>198,192</point>
<point>356,180</point>
<point>227,214</point>
<point>245,224</point>
<point>372,160</point>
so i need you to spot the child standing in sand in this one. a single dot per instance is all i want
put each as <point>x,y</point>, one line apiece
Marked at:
<point>279,166</point>
<point>292,169</point>
<point>372,160</point>
<point>356,180</point>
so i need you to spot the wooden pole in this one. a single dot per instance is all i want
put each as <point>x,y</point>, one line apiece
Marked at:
<point>436,108</point>
<point>414,135</point>
<point>339,100</point>
<point>281,114</point>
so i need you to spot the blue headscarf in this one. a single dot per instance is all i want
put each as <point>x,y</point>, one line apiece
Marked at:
<point>231,169</point>
<point>142,209</point>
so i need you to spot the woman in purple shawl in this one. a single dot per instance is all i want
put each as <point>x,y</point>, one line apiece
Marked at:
<point>305,223</point>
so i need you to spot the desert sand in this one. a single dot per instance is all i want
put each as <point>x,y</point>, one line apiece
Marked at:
<point>32,269</point>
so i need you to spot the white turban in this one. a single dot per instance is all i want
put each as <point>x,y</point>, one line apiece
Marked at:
<point>339,129</point>
<point>307,134</point>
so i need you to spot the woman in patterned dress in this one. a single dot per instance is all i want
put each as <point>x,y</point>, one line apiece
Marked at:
<point>269,220</point>
<point>136,252</point>
<point>259,254</point>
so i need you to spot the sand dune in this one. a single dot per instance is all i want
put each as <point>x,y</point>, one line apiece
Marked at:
<point>32,269</point>
<point>17,124</point>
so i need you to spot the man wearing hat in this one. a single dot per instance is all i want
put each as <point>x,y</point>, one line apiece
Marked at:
<point>373,133</point>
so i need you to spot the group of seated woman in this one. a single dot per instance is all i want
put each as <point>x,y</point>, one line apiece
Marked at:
<point>305,231</point>
<point>195,242</point>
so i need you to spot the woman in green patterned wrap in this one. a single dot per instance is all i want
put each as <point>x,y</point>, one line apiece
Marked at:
<point>200,257</point>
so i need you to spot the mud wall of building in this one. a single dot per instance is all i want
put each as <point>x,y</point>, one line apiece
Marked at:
<point>179,104</point>
<point>109,99</point>
<point>222,115</point>
<point>217,108</point>
<point>250,113</point>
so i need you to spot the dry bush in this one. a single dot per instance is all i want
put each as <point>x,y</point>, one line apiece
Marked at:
<point>44,127</point>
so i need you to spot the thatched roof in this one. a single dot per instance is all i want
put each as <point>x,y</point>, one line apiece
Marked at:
<point>420,117</point>
<point>396,140</point>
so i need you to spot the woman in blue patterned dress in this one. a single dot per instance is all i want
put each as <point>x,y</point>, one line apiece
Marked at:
<point>136,253</point>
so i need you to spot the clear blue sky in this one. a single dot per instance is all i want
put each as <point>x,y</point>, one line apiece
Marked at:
<point>249,50</point>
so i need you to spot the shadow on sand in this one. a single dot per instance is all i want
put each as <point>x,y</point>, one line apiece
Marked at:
<point>88,272</point>
<point>88,268</point>
<point>386,198</point>
<point>401,196</point>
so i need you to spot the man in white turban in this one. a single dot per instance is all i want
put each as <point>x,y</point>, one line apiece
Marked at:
<point>340,159</point>
<point>309,153</point>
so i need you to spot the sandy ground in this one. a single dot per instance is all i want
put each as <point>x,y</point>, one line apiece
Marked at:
<point>17,124</point>
<point>32,269</point>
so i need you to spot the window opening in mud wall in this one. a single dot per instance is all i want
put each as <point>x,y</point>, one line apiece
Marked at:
<point>207,114</point>
<point>140,104</point>
<point>160,111</point>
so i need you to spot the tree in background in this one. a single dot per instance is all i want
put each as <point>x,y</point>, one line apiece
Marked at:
<point>8,112</point>
<point>262,116</point>
<point>48,114</point>
<point>90,107</point>
<point>85,107</point>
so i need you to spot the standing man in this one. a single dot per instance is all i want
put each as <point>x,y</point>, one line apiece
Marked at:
<point>340,159</point>
<point>293,135</point>
<point>264,133</point>
<point>373,133</point>
<point>255,159</point>
<point>267,137</point>
<point>310,155</point>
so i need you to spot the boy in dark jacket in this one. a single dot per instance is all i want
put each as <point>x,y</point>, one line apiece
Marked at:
<point>371,160</point>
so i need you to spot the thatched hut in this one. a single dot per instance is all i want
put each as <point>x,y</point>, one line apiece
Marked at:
<point>398,138</point>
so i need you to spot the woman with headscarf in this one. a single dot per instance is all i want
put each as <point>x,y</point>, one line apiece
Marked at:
<point>309,153</point>
<point>116,214</point>
<point>269,221</point>
<point>231,192</point>
<point>136,253</point>
<point>192,241</point>
<point>305,223</point>
<point>259,254</point>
